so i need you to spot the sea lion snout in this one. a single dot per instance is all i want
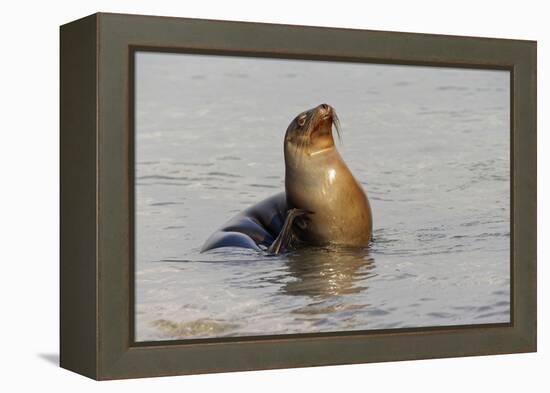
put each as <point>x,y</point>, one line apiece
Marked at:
<point>325,110</point>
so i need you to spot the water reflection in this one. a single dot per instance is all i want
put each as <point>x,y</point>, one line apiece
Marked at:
<point>328,271</point>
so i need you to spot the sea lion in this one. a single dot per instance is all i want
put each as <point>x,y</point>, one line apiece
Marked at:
<point>322,203</point>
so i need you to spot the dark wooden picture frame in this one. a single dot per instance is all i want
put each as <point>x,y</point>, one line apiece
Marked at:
<point>97,277</point>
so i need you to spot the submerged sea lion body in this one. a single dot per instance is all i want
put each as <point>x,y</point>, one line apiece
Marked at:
<point>256,227</point>
<point>322,203</point>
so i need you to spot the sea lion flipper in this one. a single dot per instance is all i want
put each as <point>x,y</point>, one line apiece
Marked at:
<point>285,237</point>
<point>229,239</point>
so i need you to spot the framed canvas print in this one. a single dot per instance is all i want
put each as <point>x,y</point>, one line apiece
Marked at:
<point>240,196</point>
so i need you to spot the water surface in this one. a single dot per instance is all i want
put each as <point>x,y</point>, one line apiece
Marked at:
<point>429,145</point>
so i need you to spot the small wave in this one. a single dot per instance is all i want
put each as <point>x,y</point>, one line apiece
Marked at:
<point>262,185</point>
<point>162,177</point>
<point>218,188</point>
<point>505,313</point>
<point>452,88</point>
<point>482,236</point>
<point>377,312</point>
<point>319,308</point>
<point>228,158</point>
<point>430,236</point>
<point>163,184</point>
<point>441,315</point>
<point>375,198</point>
<point>185,163</point>
<point>223,174</point>
<point>148,163</point>
<point>198,328</point>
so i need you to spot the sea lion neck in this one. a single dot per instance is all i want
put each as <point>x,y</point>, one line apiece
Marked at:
<point>320,141</point>
<point>301,162</point>
<point>322,151</point>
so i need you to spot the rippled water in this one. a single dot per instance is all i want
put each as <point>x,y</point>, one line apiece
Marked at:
<point>430,146</point>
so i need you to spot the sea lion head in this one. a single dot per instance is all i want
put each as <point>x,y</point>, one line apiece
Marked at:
<point>311,131</point>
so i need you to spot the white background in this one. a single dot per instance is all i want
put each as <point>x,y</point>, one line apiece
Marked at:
<point>29,165</point>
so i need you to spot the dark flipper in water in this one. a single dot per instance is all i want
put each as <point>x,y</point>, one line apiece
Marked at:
<point>256,227</point>
<point>286,236</point>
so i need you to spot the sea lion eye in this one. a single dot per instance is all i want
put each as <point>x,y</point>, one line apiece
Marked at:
<point>302,120</point>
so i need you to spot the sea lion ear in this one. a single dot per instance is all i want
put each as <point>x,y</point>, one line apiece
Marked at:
<point>301,119</point>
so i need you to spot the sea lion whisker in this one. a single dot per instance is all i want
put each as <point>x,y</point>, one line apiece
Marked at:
<point>337,126</point>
